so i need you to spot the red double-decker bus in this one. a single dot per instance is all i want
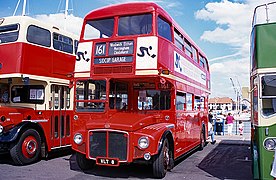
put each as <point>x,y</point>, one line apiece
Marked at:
<point>142,87</point>
<point>36,102</point>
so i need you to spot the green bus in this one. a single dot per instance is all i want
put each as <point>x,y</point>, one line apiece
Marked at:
<point>263,90</point>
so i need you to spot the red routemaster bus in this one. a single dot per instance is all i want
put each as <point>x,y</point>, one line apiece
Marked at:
<point>141,89</point>
<point>36,102</point>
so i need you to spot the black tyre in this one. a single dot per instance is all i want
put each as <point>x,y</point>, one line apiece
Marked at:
<point>163,162</point>
<point>83,163</point>
<point>28,148</point>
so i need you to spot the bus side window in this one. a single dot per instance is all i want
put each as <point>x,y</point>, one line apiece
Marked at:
<point>189,101</point>
<point>197,103</point>
<point>9,33</point>
<point>188,48</point>
<point>194,51</point>
<point>62,43</point>
<point>180,101</point>
<point>178,39</point>
<point>38,35</point>
<point>4,93</point>
<point>164,29</point>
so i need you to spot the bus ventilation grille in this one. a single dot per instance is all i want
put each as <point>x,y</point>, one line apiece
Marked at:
<point>108,144</point>
<point>113,70</point>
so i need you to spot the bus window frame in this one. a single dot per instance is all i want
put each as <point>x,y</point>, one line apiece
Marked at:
<point>32,40</point>
<point>135,15</point>
<point>5,33</point>
<point>178,39</point>
<point>164,20</point>
<point>60,43</point>
<point>180,95</point>
<point>92,35</point>
<point>188,48</point>
<point>28,89</point>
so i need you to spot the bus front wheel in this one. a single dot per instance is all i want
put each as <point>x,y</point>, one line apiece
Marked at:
<point>28,148</point>
<point>162,163</point>
<point>83,162</point>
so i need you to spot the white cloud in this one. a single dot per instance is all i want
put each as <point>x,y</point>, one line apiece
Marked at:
<point>233,20</point>
<point>72,23</point>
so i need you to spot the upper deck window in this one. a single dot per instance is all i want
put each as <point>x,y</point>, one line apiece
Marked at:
<point>202,62</point>
<point>164,29</point>
<point>194,54</point>
<point>38,35</point>
<point>63,43</point>
<point>9,33</point>
<point>135,25</point>
<point>188,48</point>
<point>102,28</point>
<point>178,39</point>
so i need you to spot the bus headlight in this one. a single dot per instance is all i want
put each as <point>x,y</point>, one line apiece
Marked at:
<point>269,144</point>
<point>1,129</point>
<point>78,138</point>
<point>143,142</point>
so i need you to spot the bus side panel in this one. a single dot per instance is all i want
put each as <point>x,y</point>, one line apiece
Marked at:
<point>63,63</point>
<point>265,157</point>
<point>39,62</point>
<point>11,58</point>
<point>165,54</point>
<point>265,45</point>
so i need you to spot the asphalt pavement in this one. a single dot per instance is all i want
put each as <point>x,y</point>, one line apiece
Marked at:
<point>228,158</point>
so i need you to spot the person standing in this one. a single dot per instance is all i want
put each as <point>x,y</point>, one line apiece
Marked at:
<point>211,132</point>
<point>230,122</point>
<point>241,127</point>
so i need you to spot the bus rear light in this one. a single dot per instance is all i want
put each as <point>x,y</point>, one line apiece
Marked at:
<point>270,144</point>
<point>3,118</point>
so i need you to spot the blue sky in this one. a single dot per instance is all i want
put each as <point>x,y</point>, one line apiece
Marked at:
<point>220,27</point>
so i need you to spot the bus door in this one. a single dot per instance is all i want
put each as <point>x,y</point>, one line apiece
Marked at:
<point>60,120</point>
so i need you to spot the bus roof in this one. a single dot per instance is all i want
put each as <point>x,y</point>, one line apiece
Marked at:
<point>137,8</point>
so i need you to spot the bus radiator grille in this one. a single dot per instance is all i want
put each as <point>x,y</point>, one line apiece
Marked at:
<point>108,144</point>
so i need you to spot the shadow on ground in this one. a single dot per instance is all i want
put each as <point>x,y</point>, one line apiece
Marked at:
<point>123,171</point>
<point>229,160</point>
<point>6,158</point>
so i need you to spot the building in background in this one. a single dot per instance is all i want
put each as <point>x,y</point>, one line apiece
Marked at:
<point>221,104</point>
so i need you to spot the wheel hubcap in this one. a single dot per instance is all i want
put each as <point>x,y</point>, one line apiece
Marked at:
<point>29,147</point>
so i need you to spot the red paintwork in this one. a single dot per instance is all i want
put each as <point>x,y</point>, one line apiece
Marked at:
<point>184,125</point>
<point>25,58</point>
